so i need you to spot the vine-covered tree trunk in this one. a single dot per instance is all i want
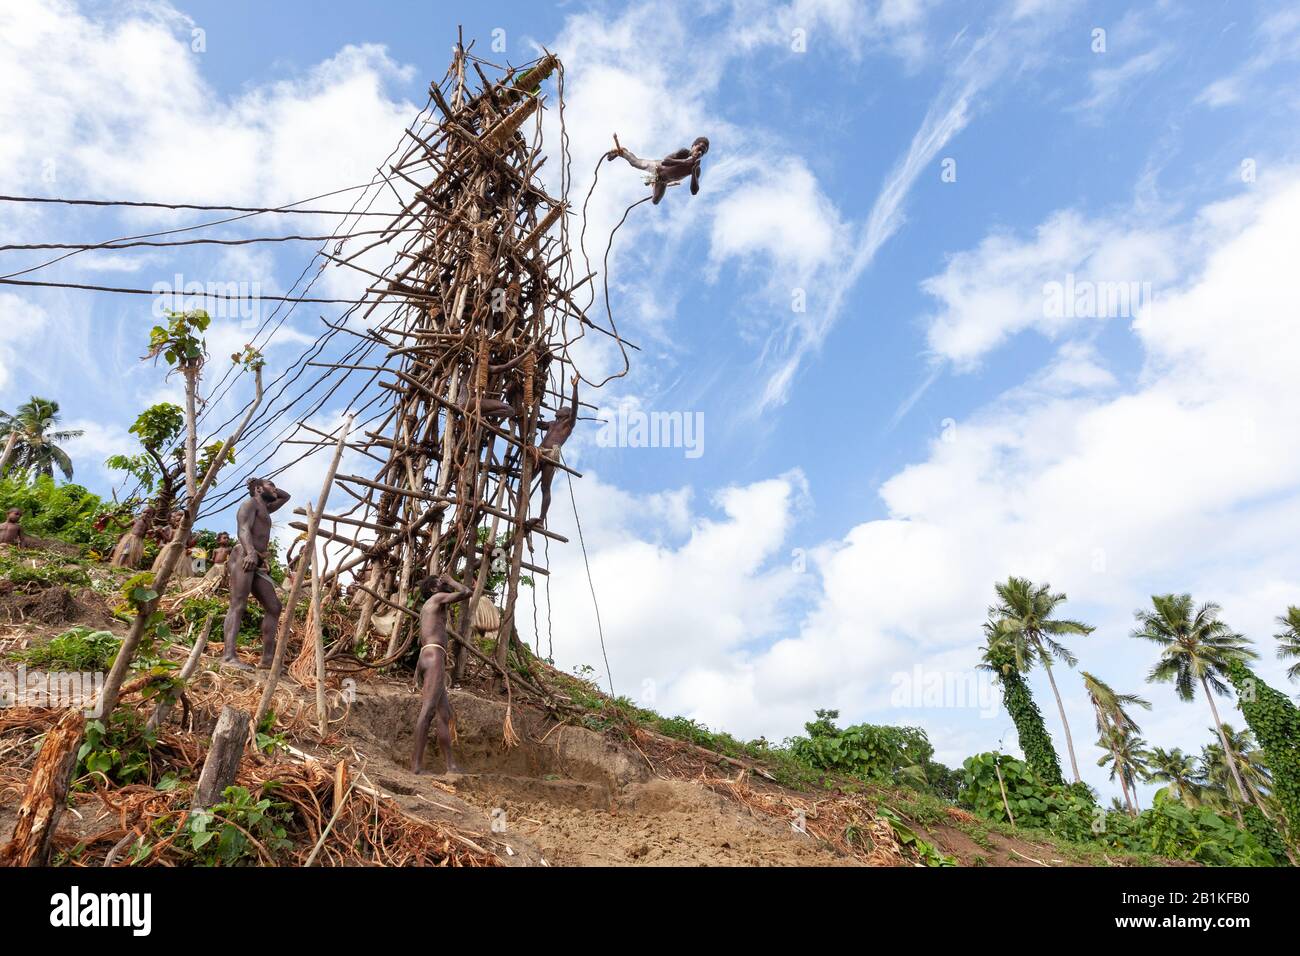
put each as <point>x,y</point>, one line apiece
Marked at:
<point>1040,755</point>
<point>1275,722</point>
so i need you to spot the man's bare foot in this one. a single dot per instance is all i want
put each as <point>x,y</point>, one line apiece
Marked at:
<point>236,663</point>
<point>265,663</point>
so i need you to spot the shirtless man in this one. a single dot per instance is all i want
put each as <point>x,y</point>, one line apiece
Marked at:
<point>247,570</point>
<point>11,532</point>
<point>548,452</point>
<point>430,672</point>
<point>673,168</point>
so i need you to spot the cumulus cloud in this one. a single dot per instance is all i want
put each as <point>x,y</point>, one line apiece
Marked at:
<point>136,118</point>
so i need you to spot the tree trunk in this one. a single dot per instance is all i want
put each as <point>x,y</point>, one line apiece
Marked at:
<point>191,432</point>
<point>317,637</point>
<point>222,763</point>
<point>159,716</point>
<point>47,794</point>
<point>1060,707</point>
<point>1003,787</point>
<point>1123,781</point>
<point>10,445</point>
<point>1223,740</point>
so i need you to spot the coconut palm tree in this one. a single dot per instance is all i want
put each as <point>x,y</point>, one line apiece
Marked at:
<point>998,657</point>
<point>1289,641</point>
<point>1179,771</point>
<point>1024,617</point>
<point>30,442</point>
<point>1112,717</point>
<point>1249,761</point>
<point>1196,648</point>
<point>1126,757</point>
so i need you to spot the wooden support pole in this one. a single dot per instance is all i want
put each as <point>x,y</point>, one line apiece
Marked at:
<point>221,766</point>
<point>286,621</point>
<point>318,639</point>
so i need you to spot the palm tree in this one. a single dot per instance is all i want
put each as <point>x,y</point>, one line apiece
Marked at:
<point>1289,641</point>
<point>29,442</point>
<point>1249,761</point>
<point>1112,717</point>
<point>1179,771</point>
<point>1197,647</point>
<point>1024,618</point>
<point>999,658</point>
<point>1126,758</point>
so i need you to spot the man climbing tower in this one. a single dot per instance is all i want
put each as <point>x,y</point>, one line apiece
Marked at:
<point>548,452</point>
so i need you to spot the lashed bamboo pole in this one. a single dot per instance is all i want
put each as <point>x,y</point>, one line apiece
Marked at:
<point>318,639</point>
<point>286,620</point>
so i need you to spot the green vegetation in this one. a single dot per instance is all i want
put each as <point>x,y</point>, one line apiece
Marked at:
<point>35,571</point>
<point>120,751</point>
<point>80,649</point>
<point>1275,721</point>
<point>221,836</point>
<point>1288,641</point>
<point>1196,647</point>
<point>999,657</point>
<point>1168,829</point>
<point>1024,618</point>
<point>67,513</point>
<point>869,752</point>
<point>28,440</point>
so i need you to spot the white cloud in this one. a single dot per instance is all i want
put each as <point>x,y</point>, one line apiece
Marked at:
<point>1277,39</point>
<point>782,214</point>
<point>1109,83</point>
<point>136,119</point>
<point>980,64</point>
<point>21,322</point>
<point>675,601</point>
<point>1006,285</point>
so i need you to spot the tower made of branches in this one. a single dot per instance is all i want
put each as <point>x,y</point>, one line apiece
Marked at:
<point>481,283</point>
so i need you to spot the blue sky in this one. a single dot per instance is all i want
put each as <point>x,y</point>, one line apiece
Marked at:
<point>870,464</point>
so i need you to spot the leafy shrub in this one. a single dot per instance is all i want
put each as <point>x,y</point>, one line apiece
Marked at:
<point>1067,812</point>
<point>1262,829</point>
<point>219,837</point>
<point>1168,828</point>
<point>78,649</point>
<point>64,512</point>
<point>872,752</point>
<point>120,750</point>
<point>34,571</point>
